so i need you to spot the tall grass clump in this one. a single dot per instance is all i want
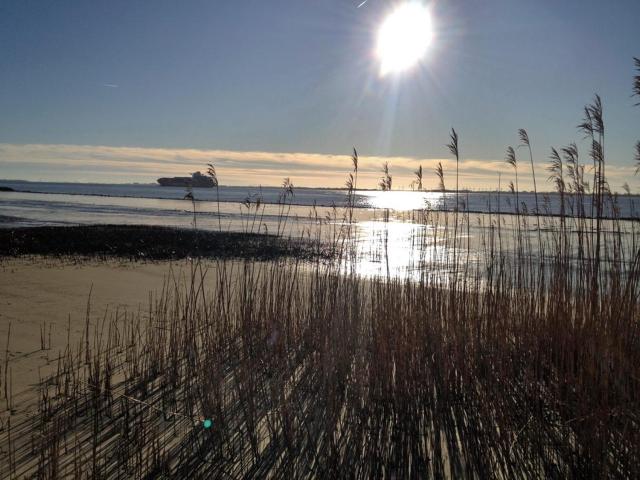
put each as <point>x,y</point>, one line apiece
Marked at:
<point>440,175</point>
<point>636,93</point>
<point>189,196</point>
<point>524,138</point>
<point>386,180</point>
<point>211,173</point>
<point>418,180</point>
<point>636,80</point>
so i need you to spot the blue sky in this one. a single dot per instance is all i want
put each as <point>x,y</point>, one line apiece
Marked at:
<point>299,77</point>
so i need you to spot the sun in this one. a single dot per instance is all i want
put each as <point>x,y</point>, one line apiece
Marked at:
<point>404,37</point>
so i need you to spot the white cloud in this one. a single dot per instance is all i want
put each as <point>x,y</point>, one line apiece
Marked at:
<point>116,164</point>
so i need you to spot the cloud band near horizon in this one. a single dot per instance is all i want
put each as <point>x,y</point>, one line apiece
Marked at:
<point>108,164</point>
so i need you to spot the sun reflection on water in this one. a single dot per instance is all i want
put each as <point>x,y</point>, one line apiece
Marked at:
<point>401,200</point>
<point>396,249</point>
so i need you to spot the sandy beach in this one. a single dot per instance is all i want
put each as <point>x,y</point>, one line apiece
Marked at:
<point>54,293</point>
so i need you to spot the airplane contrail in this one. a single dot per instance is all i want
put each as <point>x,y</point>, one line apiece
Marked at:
<point>365,1</point>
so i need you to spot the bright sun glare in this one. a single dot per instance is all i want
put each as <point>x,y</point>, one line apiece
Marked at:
<point>404,37</point>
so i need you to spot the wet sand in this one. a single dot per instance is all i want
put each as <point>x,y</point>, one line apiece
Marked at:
<point>147,242</point>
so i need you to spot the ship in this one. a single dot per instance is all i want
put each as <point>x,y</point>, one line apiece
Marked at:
<point>196,180</point>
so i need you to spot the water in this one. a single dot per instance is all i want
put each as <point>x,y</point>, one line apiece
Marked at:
<point>480,202</point>
<point>400,246</point>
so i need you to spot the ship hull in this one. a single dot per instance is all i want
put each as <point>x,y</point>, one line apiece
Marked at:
<point>185,182</point>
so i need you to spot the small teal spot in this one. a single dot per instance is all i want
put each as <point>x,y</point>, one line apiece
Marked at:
<point>207,423</point>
